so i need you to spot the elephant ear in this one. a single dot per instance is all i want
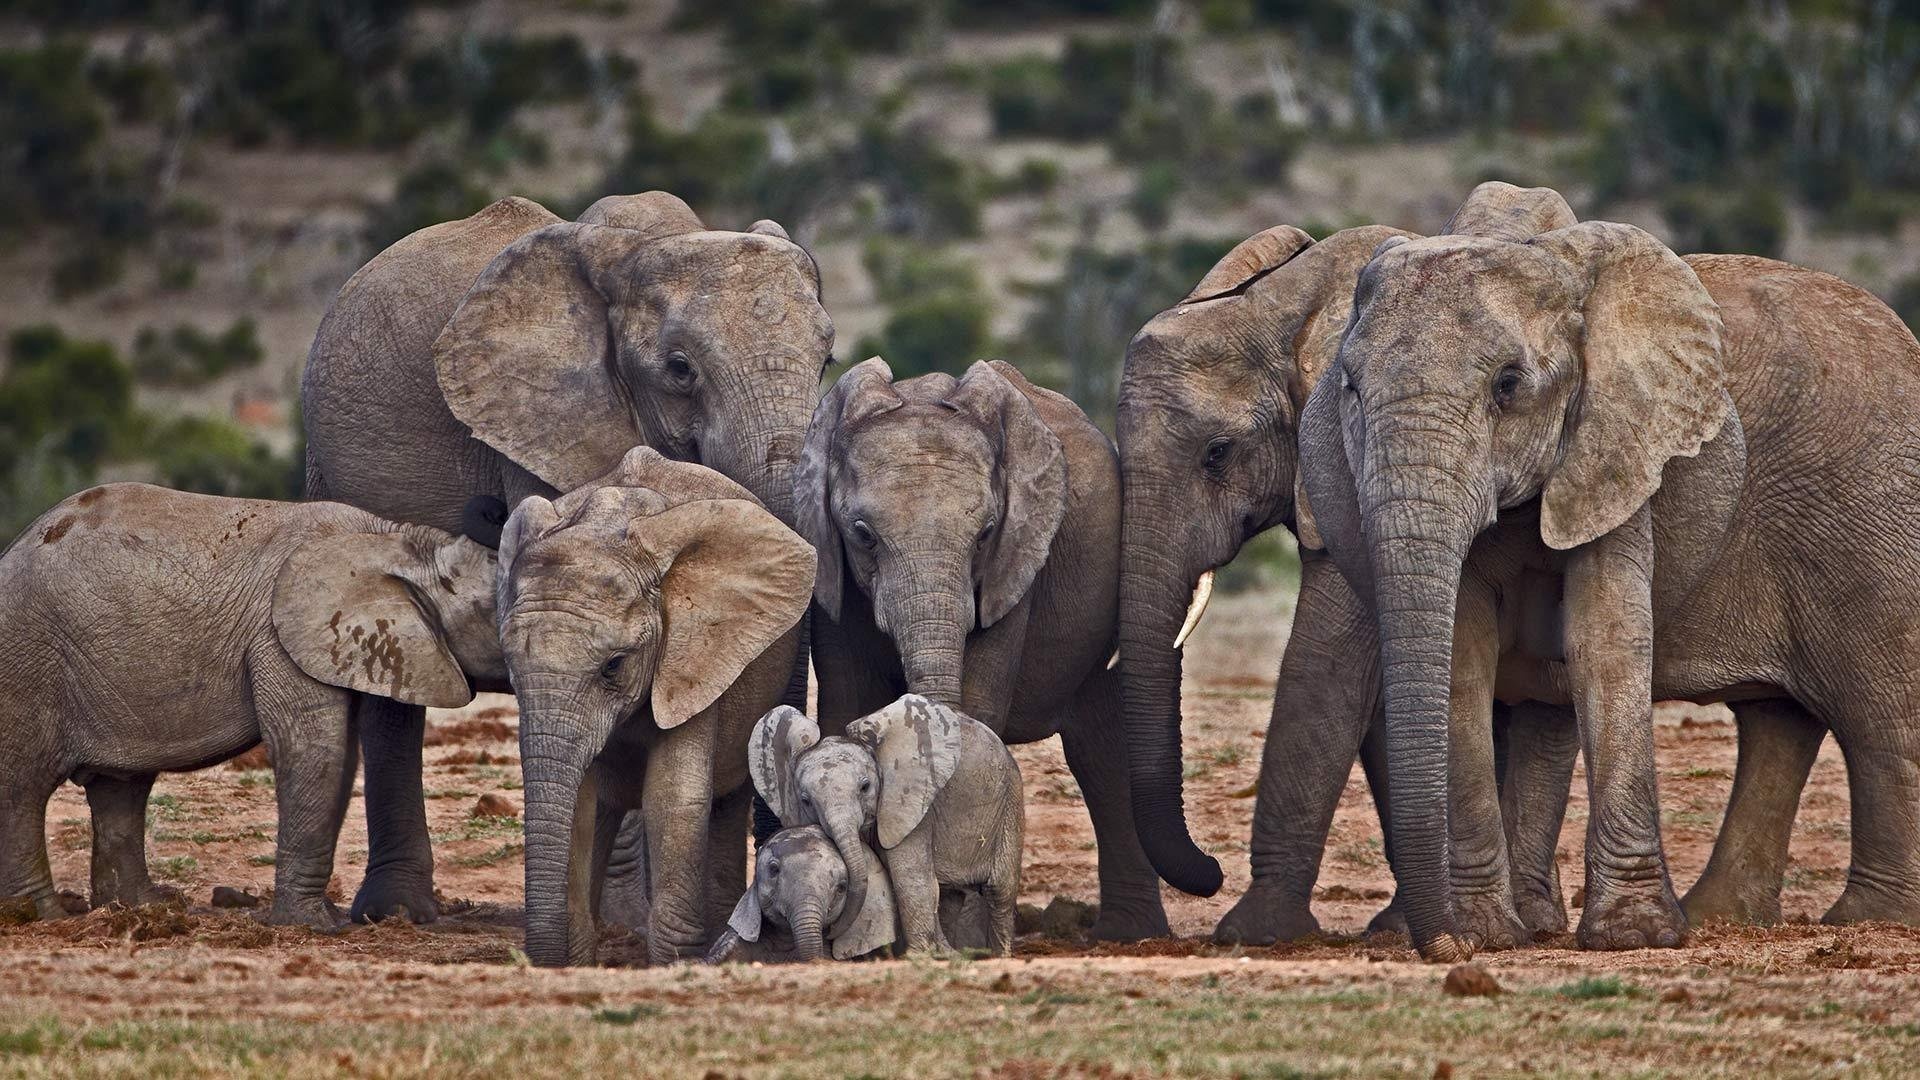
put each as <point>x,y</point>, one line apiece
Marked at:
<point>1654,384</point>
<point>1501,211</point>
<point>523,360</point>
<point>651,214</point>
<point>733,581</point>
<point>1033,471</point>
<point>676,481</point>
<point>874,927</point>
<point>745,919</point>
<point>916,744</point>
<point>347,614</point>
<point>776,744</point>
<point>1326,477</point>
<point>1251,258</point>
<point>866,389</point>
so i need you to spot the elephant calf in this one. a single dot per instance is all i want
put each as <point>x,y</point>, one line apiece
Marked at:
<point>937,788</point>
<point>145,630</point>
<point>800,900</point>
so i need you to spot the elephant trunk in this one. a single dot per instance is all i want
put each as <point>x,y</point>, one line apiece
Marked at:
<point>561,804</point>
<point>758,444</point>
<point>1419,521</point>
<point>809,943</point>
<point>1154,590</point>
<point>844,829</point>
<point>929,611</point>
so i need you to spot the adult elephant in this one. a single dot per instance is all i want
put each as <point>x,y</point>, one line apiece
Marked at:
<point>1208,435</point>
<point>511,354</point>
<point>1707,464</point>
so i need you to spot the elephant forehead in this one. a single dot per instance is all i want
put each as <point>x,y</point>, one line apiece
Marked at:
<point>914,435</point>
<point>836,756</point>
<point>789,843</point>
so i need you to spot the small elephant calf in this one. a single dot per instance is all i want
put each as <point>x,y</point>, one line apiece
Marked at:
<point>936,788</point>
<point>800,901</point>
<point>144,630</point>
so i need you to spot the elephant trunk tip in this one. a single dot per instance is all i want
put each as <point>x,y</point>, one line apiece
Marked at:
<point>1181,863</point>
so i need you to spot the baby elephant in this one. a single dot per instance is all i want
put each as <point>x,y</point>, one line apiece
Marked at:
<point>937,789</point>
<point>144,630</point>
<point>800,894</point>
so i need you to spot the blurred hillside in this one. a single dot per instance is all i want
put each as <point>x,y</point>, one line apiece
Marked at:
<point>185,183</point>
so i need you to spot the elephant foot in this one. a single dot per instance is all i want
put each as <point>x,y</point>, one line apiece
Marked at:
<point>1860,902</point>
<point>1641,919</point>
<point>1122,920</point>
<point>1489,922</point>
<point>1264,916</point>
<point>313,912</point>
<point>1712,900</point>
<point>386,895</point>
<point>1389,920</point>
<point>1541,912</point>
<point>148,895</point>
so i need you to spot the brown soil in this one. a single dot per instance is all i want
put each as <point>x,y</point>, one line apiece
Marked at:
<point>215,828</point>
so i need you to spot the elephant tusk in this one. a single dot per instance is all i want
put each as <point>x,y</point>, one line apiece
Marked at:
<point>1114,660</point>
<point>1202,592</point>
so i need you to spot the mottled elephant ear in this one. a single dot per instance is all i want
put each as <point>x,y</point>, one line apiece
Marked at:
<point>1654,385</point>
<point>347,614</point>
<point>874,926</point>
<point>675,481</point>
<point>1250,258</point>
<point>745,919</point>
<point>1032,469</point>
<point>523,360</point>
<point>651,214</point>
<point>1500,211</point>
<point>777,742</point>
<point>733,581</point>
<point>865,390</point>
<point>916,744</point>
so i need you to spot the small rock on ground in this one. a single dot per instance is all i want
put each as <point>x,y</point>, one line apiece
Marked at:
<point>493,805</point>
<point>1469,980</point>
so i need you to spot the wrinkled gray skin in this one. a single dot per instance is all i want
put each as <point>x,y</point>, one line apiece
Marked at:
<point>957,522</point>
<point>799,891</point>
<point>1687,449</point>
<point>1209,405</point>
<point>937,790</point>
<point>647,619</point>
<point>512,353</point>
<point>147,630</point>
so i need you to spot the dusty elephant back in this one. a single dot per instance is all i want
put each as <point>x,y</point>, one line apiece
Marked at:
<point>400,452</point>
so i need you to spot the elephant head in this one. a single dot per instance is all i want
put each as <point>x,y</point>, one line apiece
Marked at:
<point>1210,431</point>
<point>800,883</point>
<point>937,498</point>
<point>407,614</point>
<point>833,783</point>
<point>1481,373</point>
<point>638,599</point>
<point>638,326</point>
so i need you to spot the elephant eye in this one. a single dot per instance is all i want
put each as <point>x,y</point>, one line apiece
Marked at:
<point>610,670</point>
<point>1506,385</point>
<point>866,786</point>
<point>679,370</point>
<point>1217,452</point>
<point>839,886</point>
<point>864,534</point>
<point>986,533</point>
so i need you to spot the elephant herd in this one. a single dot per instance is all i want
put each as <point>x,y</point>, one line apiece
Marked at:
<point>1543,473</point>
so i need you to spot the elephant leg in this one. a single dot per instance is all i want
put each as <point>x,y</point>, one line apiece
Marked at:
<point>1778,741</point>
<point>916,891</point>
<point>1373,765</point>
<point>24,869</point>
<point>1608,600</point>
<point>1001,893</point>
<point>727,855</point>
<point>308,729</point>
<point>399,878</point>
<point>118,806</point>
<point>1328,691</point>
<point>1883,782</point>
<point>1541,743</point>
<point>677,802</point>
<point>623,895</point>
<point>1096,751</point>
<point>1482,877</point>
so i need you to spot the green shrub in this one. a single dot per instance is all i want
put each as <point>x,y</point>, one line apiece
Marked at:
<point>1751,221</point>
<point>189,356</point>
<point>436,191</point>
<point>214,457</point>
<point>1081,96</point>
<point>904,270</point>
<point>76,397</point>
<point>1155,187</point>
<point>940,331</point>
<point>1905,300</point>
